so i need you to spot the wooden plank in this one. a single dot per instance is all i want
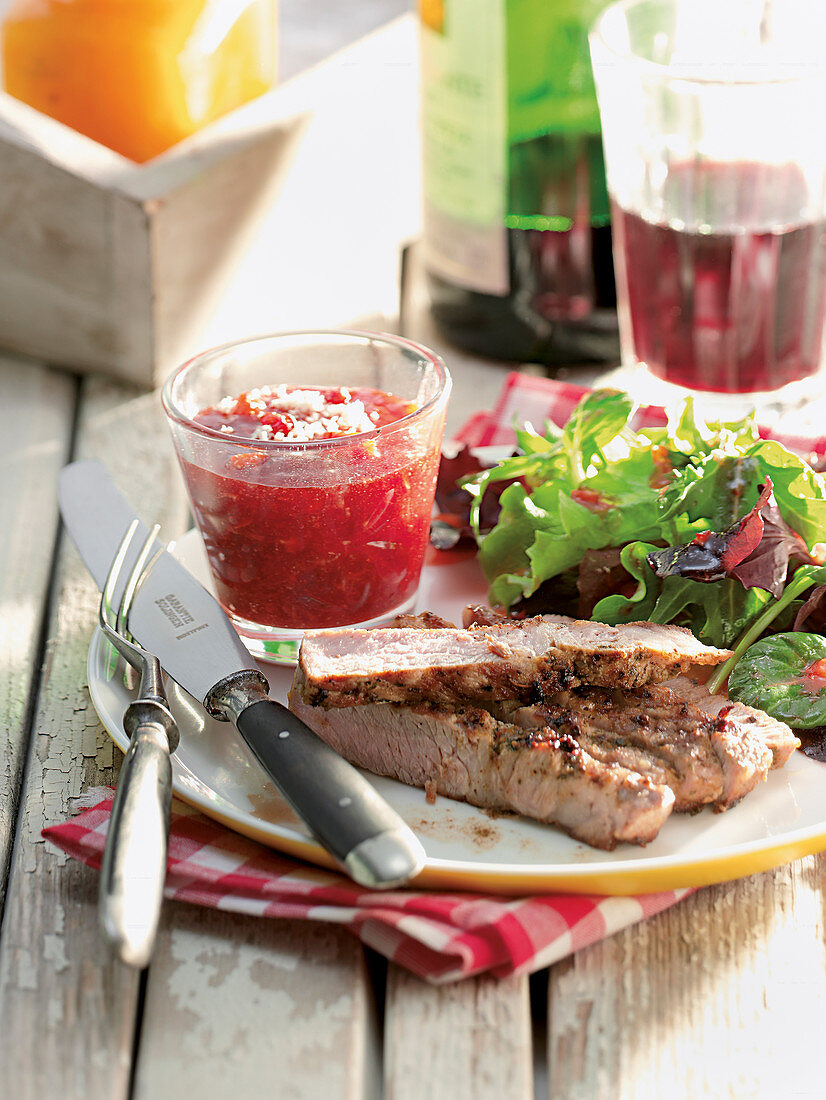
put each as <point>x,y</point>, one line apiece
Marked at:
<point>463,1041</point>
<point>67,1011</point>
<point>251,1007</point>
<point>38,411</point>
<point>715,997</point>
<point>65,244</point>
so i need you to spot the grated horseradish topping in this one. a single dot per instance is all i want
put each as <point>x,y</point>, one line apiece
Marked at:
<point>299,415</point>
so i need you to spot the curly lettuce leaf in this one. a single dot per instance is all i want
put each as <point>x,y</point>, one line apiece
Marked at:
<point>614,506</point>
<point>598,484</point>
<point>639,604</point>
<point>718,489</point>
<point>800,492</point>
<point>561,454</point>
<point>717,614</point>
<point>600,418</point>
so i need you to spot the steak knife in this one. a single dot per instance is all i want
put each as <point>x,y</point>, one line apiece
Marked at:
<point>174,617</point>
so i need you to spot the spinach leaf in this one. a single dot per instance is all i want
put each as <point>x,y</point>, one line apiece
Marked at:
<point>784,675</point>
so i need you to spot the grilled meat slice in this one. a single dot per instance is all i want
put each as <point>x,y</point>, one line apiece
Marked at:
<point>776,735</point>
<point>612,732</point>
<point>465,753</point>
<point>513,660</point>
<point>706,758</point>
<point>476,615</point>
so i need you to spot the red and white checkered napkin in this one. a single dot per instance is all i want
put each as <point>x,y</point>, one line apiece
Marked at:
<point>525,397</point>
<point>439,936</point>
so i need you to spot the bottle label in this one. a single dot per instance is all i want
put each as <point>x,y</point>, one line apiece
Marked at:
<point>464,154</point>
<point>511,139</point>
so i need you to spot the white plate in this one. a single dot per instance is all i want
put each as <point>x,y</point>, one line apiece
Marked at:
<point>467,848</point>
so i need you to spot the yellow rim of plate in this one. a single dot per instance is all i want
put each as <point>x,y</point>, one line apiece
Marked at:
<point>604,881</point>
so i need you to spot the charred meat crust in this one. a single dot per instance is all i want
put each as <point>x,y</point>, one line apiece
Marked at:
<point>775,734</point>
<point>705,757</point>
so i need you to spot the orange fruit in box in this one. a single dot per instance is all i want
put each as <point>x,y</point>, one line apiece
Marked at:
<point>138,75</point>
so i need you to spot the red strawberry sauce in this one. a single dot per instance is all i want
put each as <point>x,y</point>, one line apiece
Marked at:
<point>310,522</point>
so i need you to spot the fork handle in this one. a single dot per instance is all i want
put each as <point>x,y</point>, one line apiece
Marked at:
<point>134,860</point>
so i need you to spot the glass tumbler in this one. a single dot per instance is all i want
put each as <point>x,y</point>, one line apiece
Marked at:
<point>322,533</point>
<point>716,167</point>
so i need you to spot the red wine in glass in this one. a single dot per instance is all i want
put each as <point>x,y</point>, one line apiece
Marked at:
<point>724,288</point>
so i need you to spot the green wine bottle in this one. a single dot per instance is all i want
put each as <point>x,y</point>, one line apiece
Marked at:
<point>517,236</point>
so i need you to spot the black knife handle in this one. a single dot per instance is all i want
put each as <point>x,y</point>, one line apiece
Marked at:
<point>338,804</point>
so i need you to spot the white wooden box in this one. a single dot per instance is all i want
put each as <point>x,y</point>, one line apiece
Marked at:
<point>109,265</point>
<point>287,213</point>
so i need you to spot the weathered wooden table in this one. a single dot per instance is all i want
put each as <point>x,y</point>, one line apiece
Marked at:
<point>721,996</point>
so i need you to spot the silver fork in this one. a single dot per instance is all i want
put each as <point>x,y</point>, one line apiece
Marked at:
<point>134,861</point>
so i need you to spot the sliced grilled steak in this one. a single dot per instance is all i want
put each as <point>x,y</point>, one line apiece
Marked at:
<point>475,615</point>
<point>777,735</point>
<point>617,733</point>
<point>466,753</point>
<point>706,759</point>
<point>513,660</point>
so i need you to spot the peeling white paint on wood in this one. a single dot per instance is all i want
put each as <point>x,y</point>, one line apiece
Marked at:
<point>457,1042</point>
<point>37,408</point>
<point>255,1008</point>
<point>53,966</point>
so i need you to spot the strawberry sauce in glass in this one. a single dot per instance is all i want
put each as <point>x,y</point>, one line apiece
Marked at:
<point>310,461</point>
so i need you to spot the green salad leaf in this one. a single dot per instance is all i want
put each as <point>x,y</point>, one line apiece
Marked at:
<point>784,675</point>
<point>599,483</point>
<point>799,490</point>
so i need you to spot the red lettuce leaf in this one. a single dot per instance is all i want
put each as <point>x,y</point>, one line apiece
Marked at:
<point>454,502</point>
<point>811,616</point>
<point>756,550</point>
<point>769,561</point>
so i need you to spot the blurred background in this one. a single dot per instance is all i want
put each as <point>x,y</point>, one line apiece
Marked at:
<point>304,42</point>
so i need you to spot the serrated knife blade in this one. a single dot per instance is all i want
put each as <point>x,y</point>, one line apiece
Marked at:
<point>177,619</point>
